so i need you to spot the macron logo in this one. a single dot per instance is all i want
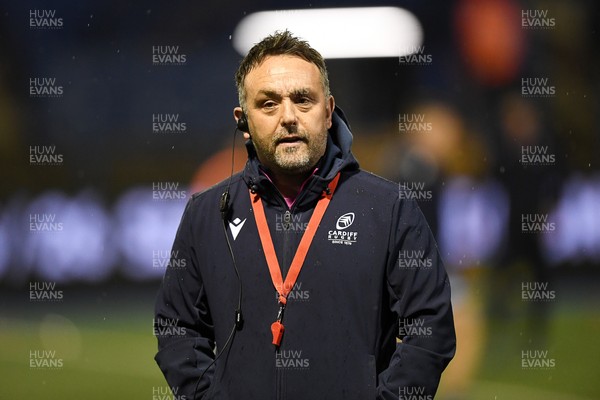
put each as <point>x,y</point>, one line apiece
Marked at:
<point>344,221</point>
<point>236,226</point>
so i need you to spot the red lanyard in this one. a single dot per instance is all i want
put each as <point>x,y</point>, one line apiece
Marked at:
<point>284,288</point>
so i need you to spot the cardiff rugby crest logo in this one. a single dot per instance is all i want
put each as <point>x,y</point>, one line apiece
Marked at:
<point>344,221</point>
<point>340,235</point>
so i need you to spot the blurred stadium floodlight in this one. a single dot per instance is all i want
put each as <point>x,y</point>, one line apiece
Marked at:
<point>338,32</point>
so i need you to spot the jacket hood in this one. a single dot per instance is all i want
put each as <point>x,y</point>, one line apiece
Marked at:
<point>338,157</point>
<point>340,141</point>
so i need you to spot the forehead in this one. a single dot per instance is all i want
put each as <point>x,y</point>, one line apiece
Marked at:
<point>283,74</point>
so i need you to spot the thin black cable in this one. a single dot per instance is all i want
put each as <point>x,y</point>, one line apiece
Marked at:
<point>232,160</point>
<point>238,313</point>
<point>231,335</point>
<point>237,325</point>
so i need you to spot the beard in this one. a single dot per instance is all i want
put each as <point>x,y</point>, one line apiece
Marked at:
<point>297,157</point>
<point>293,158</point>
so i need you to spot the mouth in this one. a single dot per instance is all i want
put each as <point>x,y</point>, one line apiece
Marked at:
<point>290,140</point>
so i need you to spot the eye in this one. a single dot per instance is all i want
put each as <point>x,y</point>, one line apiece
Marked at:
<point>304,102</point>
<point>269,105</point>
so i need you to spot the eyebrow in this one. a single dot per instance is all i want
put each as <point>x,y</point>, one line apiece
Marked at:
<point>293,93</point>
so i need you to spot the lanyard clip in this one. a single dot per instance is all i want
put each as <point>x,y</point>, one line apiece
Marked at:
<point>280,313</point>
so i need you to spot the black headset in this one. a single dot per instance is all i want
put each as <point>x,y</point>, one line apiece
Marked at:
<point>242,123</point>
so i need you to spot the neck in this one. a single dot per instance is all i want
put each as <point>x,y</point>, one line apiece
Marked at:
<point>289,185</point>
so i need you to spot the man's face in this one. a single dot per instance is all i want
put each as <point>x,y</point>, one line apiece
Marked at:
<point>288,114</point>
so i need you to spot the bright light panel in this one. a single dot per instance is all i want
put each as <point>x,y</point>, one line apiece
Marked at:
<point>338,32</point>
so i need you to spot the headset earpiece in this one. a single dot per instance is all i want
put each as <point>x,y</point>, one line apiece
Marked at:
<point>242,123</point>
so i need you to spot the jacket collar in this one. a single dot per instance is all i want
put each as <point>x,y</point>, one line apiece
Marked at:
<point>338,157</point>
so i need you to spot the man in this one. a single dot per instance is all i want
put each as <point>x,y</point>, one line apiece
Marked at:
<point>334,265</point>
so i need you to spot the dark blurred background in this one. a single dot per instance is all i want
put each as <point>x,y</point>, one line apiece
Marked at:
<point>494,127</point>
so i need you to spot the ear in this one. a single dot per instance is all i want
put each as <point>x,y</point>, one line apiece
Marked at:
<point>237,114</point>
<point>330,106</point>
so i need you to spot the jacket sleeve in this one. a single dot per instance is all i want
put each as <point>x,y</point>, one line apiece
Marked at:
<point>182,322</point>
<point>419,294</point>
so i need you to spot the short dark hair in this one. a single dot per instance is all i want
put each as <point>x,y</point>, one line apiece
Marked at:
<point>279,43</point>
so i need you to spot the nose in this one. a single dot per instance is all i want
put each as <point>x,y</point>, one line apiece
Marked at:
<point>288,115</point>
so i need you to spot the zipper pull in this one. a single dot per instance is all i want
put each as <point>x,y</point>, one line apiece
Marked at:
<point>287,219</point>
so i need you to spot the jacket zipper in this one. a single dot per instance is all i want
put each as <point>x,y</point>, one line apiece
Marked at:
<point>287,220</point>
<point>279,388</point>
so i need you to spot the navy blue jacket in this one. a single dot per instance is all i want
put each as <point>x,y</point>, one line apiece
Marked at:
<point>373,274</point>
